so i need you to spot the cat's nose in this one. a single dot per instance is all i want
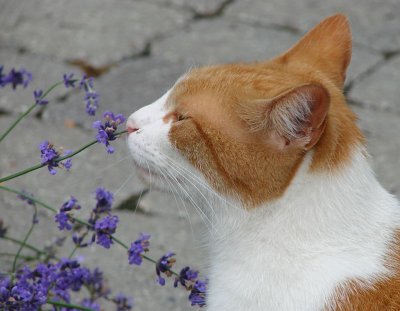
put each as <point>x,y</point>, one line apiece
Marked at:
<point>131,127</point>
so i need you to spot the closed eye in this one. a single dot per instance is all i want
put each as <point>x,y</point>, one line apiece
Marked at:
<point>181,117</point>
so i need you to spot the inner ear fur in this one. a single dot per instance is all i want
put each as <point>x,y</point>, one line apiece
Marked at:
<point>296,118</point>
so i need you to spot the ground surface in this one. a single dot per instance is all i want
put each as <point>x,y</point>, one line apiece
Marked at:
<point>139,48</point>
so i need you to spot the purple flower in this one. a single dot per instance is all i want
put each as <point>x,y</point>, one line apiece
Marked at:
<point>91,96</point>
<point>49,156</point>
<point>88,303</point>
<point>86,83</point>
<point>70,205</point>
<point>137,248</point>
<point>104,200</point>
<point>164,265</point>
<point>63,218</point>
<point>123,303</point>
<point>92,103</point>
<point>64,221</point>
<point>197,295</point>
<point>68,164</point>
<point>15,78</point>
<point>186,278</point>
<point>32,287</point>
<point>106,131</point>
<point>104,228</point>
<point>69,80</point>
<point>38,94</point>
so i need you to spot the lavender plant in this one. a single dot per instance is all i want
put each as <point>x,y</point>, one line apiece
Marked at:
<point>43,279</point>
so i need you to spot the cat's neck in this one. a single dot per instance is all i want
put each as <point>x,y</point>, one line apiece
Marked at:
<point>328,227</point>
<point>322,200</point>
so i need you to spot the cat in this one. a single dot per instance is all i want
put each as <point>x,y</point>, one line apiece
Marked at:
<point>271,155</point>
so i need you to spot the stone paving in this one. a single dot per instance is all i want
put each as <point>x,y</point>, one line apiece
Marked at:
<point>138,49</point>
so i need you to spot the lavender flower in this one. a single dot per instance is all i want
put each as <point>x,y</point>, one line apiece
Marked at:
<point>63,218</point>
<point>31,287</point>
<point>91,96</point>
<point>89,303</point>
<point>137,248</point>
<point>104,228</point>
<point>106,131</point>
<point>71,204</point>
<point>86,83</point>
<point>123,303</point>
<point>197,295</point>
<point>49,157</point>
<point>164,265</point>
<point>104,200</point>
<point>69,80</point>
<point>64,221</point>
<point>92,103</point>
<point>38,94</point>
<point>186,278</point>
<point>96,285</point>
<point>15,78</point>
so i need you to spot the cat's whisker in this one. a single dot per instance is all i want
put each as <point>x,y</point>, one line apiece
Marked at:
<point>148,167</point>
<point>124,184</point>
<point>128,157</point>
<point>201,212</point>
<point>183,176</point>
<point>201,183</point>
<point>174,193</point>
<point>138,201</point>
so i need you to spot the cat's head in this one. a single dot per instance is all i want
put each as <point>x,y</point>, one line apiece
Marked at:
<point>243,129</point>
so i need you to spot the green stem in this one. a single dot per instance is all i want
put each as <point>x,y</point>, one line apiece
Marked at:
<point>24,114</point>
<point>68,305</point>
<point>35,167</point>
<point>29,197</point>
<point>82,222</point>
<point>20,256</point>
<point>28,234</point>
<point>31,247</point>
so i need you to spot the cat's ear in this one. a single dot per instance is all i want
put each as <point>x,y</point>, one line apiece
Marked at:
<point>295,119</point>
<point>326,47</point>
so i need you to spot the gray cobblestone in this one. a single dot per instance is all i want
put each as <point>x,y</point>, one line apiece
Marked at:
<point>95,30</point>
<point>380,90</point>
<point>216,41</point>
<point>375,23</point>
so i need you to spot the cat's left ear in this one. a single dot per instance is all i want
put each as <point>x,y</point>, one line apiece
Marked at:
<point>327,47</point>
<point>294,119</point>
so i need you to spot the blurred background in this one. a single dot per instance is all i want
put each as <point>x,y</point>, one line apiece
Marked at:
<point>136,50</point>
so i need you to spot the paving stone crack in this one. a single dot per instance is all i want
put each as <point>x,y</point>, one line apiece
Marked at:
<point>212,14</point>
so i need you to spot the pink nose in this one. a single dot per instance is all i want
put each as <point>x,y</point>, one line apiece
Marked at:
<point>131,127</point>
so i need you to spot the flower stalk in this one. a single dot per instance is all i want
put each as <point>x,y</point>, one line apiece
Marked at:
<point>38,166</point>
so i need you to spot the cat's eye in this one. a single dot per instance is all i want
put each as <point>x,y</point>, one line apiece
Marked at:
<point>181,117</point>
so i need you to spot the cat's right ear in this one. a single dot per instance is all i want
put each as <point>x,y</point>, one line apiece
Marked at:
<point>294,119</point>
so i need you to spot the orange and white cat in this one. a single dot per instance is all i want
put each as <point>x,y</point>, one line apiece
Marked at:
<point>271,154</point>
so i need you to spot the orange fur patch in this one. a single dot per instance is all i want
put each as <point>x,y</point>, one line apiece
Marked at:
<point>383,295</point>
<point>241,162</point>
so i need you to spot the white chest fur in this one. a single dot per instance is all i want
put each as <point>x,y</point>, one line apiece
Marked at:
<point>293,253</point>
